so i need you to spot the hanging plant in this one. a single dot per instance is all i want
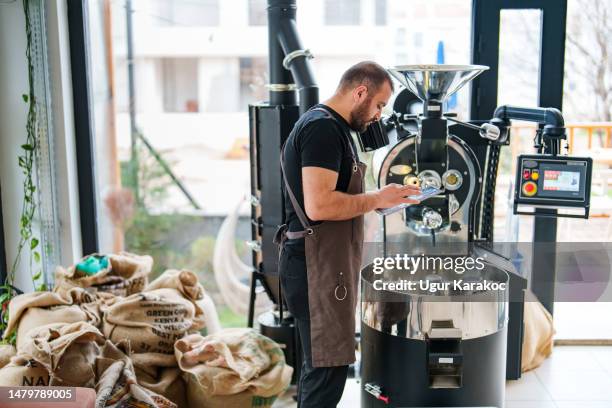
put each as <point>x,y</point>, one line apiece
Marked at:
<point>26,162</point>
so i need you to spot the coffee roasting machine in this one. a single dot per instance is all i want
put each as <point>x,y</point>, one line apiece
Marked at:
<point>420,349</point>
<point>449,348</point>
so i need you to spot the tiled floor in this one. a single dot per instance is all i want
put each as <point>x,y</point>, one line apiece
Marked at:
<point>573,377</point>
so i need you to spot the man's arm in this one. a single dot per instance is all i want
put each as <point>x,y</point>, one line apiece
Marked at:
<point>323,203</point>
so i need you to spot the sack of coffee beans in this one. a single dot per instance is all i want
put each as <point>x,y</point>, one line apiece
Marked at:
<point>234,367</point>
<point>188,285</point>
<point>117,385</point>
<point>35,309</point>
<point>160,373</point>
<point>121,274</point>
<point>22,372</point>
<point>150,321</point>
<point>67,351</point>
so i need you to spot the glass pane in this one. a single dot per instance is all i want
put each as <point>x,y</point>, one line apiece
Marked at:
<point>586,107</point>
<point>381,12</point>
<point>41,253</point>
<point>431,32</point>
<point>192,86</point>
<point>192,13</point>
<point>165,196</point>
<point>342,12</point>
<point>518,84</point>
<point>258,14</point>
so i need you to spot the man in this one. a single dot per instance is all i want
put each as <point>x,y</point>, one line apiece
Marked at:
<point>323,236</point>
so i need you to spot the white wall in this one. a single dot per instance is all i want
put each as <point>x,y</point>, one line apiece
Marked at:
<point>13,114</point>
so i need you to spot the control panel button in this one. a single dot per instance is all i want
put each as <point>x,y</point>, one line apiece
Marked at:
<point>530,188</point>
<point>526,174</point>
<point>535,175</point>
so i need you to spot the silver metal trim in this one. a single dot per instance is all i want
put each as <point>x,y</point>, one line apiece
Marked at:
<point>452,172</point>
<point>395,224</point>
<point>296,54</point>
<point>281,87</point>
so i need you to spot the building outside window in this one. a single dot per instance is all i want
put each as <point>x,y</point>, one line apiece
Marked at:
<point>258,13</point>
<point>253,73</point>
<point>342,12</point>
<point>380,12</point>
<point>190,13</point>
<point>180,84</point>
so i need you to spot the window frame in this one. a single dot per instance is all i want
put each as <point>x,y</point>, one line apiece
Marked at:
<point>3,265</point>
<point>78,34</point>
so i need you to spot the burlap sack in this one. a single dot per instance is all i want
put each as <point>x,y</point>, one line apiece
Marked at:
<point>23,371</point>
<point>150,321</point>
<point>233,366</point>
<point>160,374</point>
<point>7,351</point>
<point>117,385</point>
<point>40,308</point>
<point>184,281</point>
<point>187,283</point>
<point>127,274</point>
<point>537,335</point>
<point>67,351</point>
<point>245,399</point>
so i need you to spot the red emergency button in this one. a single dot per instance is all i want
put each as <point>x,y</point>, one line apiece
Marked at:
<point>530,188</point>
<point>526,174</point>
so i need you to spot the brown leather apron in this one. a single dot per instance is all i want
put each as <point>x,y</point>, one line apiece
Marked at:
<point>333,259</point>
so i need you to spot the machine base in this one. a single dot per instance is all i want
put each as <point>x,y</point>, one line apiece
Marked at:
<point>399,366</point>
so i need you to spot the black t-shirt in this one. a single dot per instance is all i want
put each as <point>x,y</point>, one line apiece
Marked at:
<point>317,140</point>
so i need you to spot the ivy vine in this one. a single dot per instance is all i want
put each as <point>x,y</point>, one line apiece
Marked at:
<point>26,162</point>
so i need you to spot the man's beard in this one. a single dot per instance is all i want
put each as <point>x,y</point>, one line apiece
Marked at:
<point>359,119</point>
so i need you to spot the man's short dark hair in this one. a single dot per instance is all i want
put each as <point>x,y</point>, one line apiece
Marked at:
<point>366,73</point>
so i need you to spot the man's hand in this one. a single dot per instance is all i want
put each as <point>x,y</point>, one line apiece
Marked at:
<point>323,203</point>
<point>395,194</point>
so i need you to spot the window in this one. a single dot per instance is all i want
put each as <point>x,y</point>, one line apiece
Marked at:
<point>252,81</point>
<point>342,12</point>
<point>380,12</point>
<point>258,13</point>
<point>180,84</point>
<point>183,13</point>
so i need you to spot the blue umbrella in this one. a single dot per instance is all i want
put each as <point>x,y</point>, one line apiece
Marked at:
<point>451,102</point>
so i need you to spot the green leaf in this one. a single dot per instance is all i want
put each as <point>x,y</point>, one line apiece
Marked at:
<point>33,243</point>
<point>25,98</point>
<point>4,297</point>
<point>36,256</point>
<point>27,146</point>
<point>42,287</point>
<point>37,276</point>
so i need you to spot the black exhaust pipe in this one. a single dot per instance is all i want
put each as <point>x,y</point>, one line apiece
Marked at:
<point>288,60</point>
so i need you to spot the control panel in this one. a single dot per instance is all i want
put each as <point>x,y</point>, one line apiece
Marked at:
<point>557,182</point>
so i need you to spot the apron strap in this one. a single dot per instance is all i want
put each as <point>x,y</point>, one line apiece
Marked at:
<point>296,205</point>
<point>331,116</point>
<point>294,202</point>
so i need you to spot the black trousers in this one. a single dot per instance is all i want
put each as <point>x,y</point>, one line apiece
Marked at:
<point>319,387</point>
